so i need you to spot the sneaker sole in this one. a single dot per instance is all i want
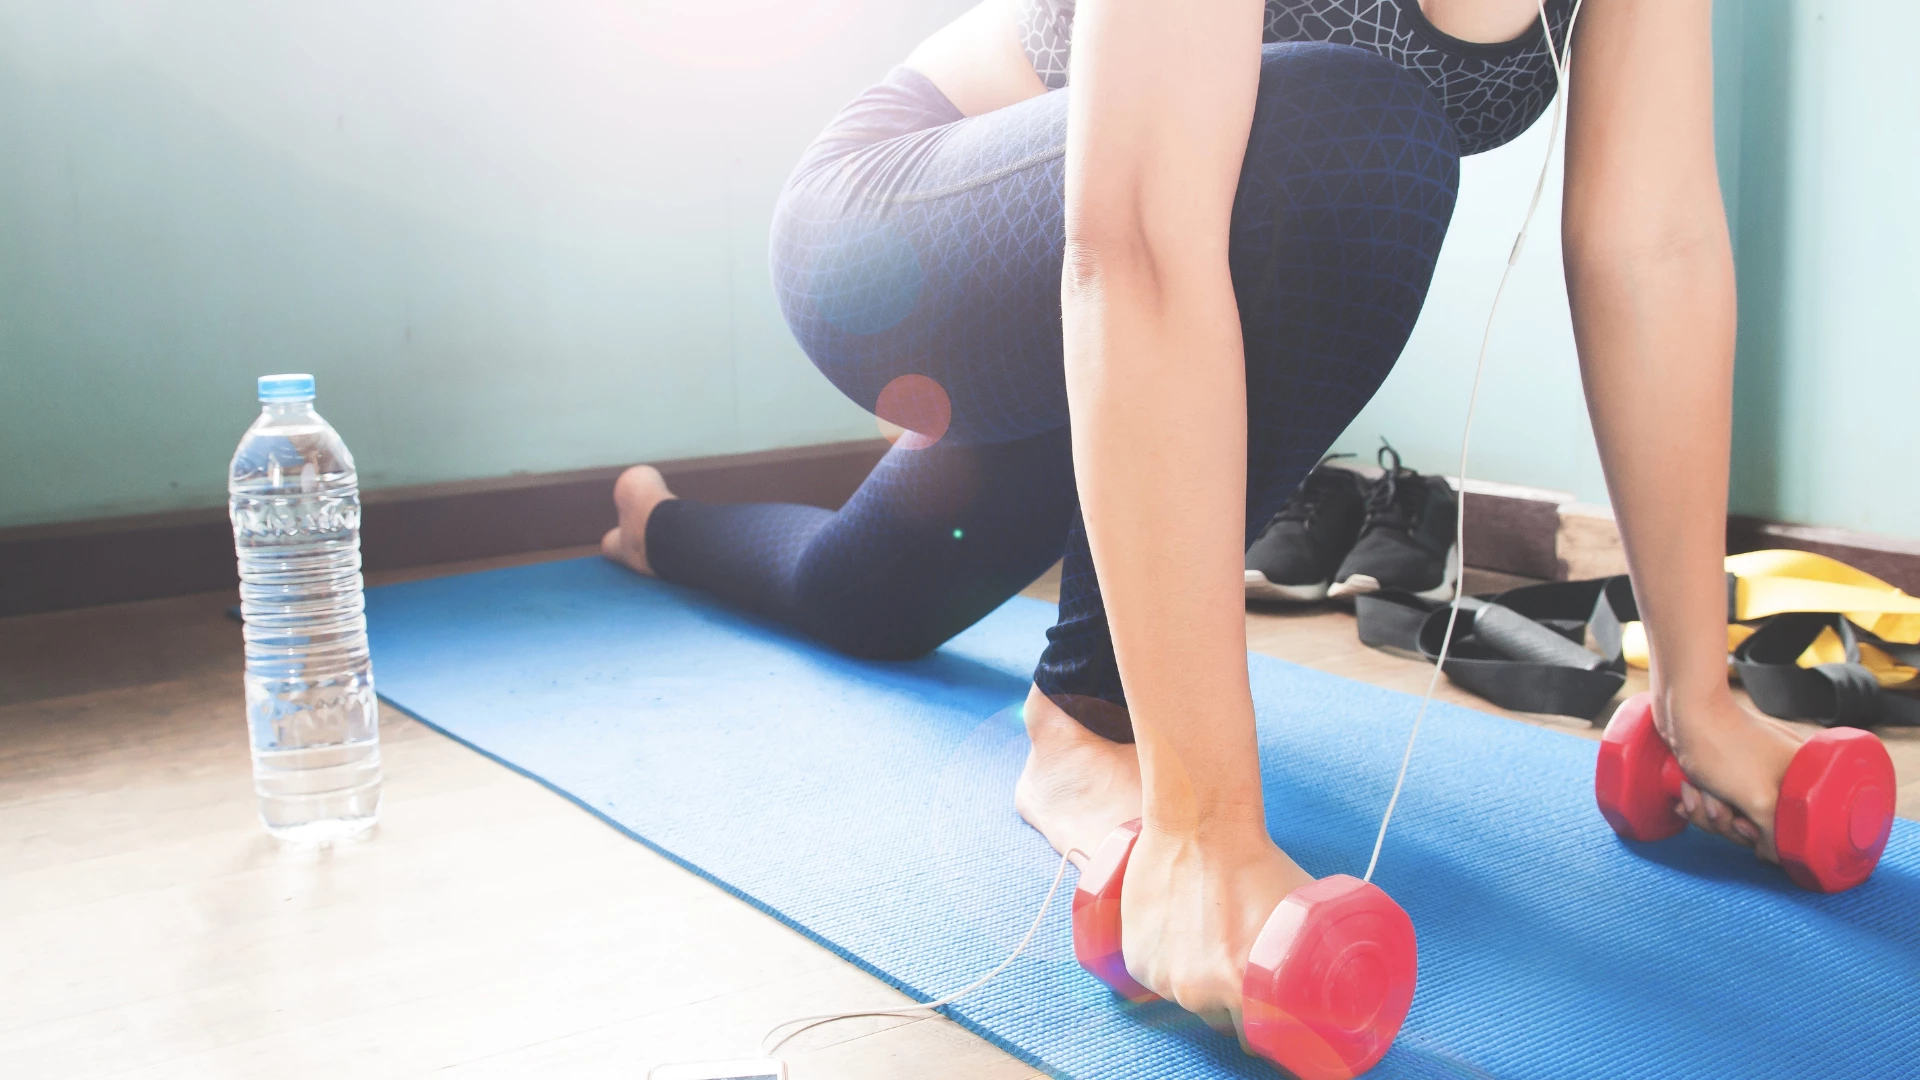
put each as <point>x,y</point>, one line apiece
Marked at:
<point>1259,588</point>
<point>1362,584</point>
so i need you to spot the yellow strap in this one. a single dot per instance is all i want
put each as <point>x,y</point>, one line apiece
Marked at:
<point>1829,649</point>
<point>1777,581</point>
<point>1772,582</point>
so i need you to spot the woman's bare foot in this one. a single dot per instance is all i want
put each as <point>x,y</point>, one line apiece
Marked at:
<point>635,494</point>
<point>1077,787</point>
<point>1734,760</point>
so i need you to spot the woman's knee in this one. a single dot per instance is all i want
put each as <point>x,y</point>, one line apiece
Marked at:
<point>868,624</point>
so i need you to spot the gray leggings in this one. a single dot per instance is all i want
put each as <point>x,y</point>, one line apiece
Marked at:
<point>919,249</point>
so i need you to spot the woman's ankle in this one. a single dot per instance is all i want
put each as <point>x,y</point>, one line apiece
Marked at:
<point>1077,787</point>
<point>1076,716</point>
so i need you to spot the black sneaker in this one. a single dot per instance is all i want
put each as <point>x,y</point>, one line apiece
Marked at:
<point>1296,554</point>
<point>1407,542</point>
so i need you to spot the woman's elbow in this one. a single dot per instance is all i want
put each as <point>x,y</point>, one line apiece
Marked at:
<point>1148,258</point>
<point>1679,228</point>
<point>1104,250</point>
<point>1645,247</point>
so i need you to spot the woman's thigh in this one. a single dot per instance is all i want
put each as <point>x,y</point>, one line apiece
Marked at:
<point>1345,196</point>
<point>914,242</point>
<point>934,250</point>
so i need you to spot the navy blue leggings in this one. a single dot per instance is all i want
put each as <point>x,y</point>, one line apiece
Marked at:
<point>913,242</point>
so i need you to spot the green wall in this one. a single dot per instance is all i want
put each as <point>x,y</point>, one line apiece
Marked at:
<point>523,238</point>
<point>1818,126</point>
<point>1827,227</point>
<point>505,237</point>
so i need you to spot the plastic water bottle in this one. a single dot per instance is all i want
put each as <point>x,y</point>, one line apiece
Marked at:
<point>311,711</point>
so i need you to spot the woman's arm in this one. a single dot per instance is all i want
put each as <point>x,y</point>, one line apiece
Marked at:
<point>1650,277</point>
<point>1163,95</point>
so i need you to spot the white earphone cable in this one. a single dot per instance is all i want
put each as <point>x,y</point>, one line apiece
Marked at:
<point>1562,60</point>
<point>768,1044</point>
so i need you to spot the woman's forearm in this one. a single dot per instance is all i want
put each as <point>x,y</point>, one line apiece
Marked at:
<point>1655,331</point>
<point>1650,278</point>
<point>1157,389</point>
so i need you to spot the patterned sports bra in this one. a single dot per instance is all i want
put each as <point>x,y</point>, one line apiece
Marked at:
<point>1492,92</point>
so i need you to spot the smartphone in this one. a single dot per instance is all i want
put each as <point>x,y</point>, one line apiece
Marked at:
<point>731,1069</point>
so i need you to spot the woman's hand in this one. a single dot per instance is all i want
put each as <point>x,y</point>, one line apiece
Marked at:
<point>1191,908</point>
<point>1734,760</point>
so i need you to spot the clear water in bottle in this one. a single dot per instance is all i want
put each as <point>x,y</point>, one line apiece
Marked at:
<point>315,725</point>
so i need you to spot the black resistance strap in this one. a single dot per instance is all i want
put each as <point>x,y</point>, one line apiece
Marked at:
<point>1832,695</point>
<point>1525,649</point>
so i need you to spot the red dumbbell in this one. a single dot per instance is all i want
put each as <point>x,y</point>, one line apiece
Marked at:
<point>1328,982</point>
<point>1829,827</point>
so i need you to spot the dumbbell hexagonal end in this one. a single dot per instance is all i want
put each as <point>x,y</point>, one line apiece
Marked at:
<point>1330,979</point>
<point>1096,914</point>
<point>1637,779</point>
<point>1835,810</point>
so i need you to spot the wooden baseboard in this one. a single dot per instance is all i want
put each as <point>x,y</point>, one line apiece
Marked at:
<point>1587,544</point>
<point>1530,532</point>
<point>1513,529</point>
<point>1535,532</point>
<point>1545,534</point>
<point>1894,561</point>
<point>55,567</point>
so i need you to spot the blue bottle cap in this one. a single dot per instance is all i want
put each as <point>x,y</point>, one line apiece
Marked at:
<point>286,388</point>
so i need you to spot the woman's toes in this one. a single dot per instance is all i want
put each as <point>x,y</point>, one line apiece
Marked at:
<point>614,546</point>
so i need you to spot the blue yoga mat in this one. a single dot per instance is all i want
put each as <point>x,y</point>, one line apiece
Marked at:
<point>869,805</point>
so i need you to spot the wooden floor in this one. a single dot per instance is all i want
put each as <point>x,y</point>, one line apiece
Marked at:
<point>149,927</point>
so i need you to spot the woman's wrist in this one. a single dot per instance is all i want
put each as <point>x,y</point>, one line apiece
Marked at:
<point>1689,659</point>
<point>1219,823</point>
<point>1202,782</point>
<point>1692,697</point>
<point>1684,617</point>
